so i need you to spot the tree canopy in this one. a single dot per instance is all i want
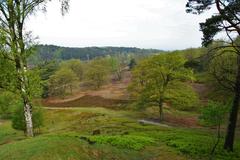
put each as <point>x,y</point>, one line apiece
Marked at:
<point>153,77</point>
<point>227,19</point>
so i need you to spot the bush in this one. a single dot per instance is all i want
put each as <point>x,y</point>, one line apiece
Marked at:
<point>18,120</point>
<point>8,102</point>
<point>195,144</point>
<point>213,114</point>
<point>123,141</point>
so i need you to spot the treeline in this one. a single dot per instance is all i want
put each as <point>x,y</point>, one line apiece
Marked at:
<point>50,52</point>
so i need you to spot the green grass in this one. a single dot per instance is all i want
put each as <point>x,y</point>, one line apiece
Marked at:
<point>65,147</point>
<point>121,137</point>
<point>195,143</point>
<point>123,141</point>
<point>8,134</point>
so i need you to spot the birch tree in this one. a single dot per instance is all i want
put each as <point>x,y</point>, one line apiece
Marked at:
<point>16,45</point>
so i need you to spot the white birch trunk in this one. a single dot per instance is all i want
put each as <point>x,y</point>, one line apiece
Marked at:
<point>27,104</point>
<point>28,119</point>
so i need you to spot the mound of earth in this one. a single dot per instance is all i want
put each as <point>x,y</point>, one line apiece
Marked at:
<point>88,101</point>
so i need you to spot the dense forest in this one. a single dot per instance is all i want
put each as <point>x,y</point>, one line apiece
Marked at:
<point>46,53</point>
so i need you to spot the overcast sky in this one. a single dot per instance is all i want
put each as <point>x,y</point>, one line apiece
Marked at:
<point>161,24</point>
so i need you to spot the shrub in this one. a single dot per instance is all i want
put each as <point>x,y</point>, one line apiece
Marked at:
<point>123,141</point>
<point>213,114</point>
<point>195,144</point>
<point>18,120</point>
<point>8,102</point>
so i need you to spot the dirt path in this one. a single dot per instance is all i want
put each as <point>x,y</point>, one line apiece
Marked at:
<point>110,95</point>
<point>61,108</point>
<point>112,91</point>
<point>202,90</point>
<point>143,122</point>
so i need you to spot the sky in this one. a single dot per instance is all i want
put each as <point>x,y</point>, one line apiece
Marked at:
<point>159,24</point>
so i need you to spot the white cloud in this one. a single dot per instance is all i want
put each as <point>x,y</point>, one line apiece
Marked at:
<point>159,24</point>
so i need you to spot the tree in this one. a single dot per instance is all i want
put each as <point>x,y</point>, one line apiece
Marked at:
<point>97,72</point>
<point>154,76</point>
<point>59,82</point>
<point>75,65</point>
<point>16,45</point>
<point>47,69</point>
<point>227,19</point>
<point>214,114</point>
<point>116,67</point>
<point>18,121</point>
<point>223,70</point>
<point>132,63</point>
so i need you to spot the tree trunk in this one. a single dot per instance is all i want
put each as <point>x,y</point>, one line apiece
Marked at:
<point>23,87</point>
<point>27,105</point>
<point>160,105</point>
<point>28,118</point>
<point>217,142</point>
<point>229,139</point>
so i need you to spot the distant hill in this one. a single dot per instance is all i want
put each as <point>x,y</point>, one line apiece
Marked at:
<point>51,52</point>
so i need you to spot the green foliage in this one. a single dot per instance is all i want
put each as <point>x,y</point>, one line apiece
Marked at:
<point>8,102</point>
<point>132,63</point>
<point>61,139</point>
<point>34,83</point>
<point>195,58</point>
<point>97,72</point>
<point>75,65</point>
<point>18,119</point>
<point>46,70</point>
<point>194,143</point>
<point>197,145</point>
<point>221,73</point>
<point>59,82</point>
<point>7,75</point>
<point>194,64</point>
<point>227,14</point>
<point>223,69</point>
<point>155,76</point>
<point>182,97</point>
<point>50,52</point>
<point>116,66</point>
<point>123,141</point>
<point>214,113</point>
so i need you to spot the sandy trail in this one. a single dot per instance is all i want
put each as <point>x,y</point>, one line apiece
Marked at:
<point>112,91</point>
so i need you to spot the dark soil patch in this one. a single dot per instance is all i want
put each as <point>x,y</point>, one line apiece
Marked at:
<point>89,101</point>
<point>171,120</point>
<point>182,121</point>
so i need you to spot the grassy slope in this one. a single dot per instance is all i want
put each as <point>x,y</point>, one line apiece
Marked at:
<point>61,138</point>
